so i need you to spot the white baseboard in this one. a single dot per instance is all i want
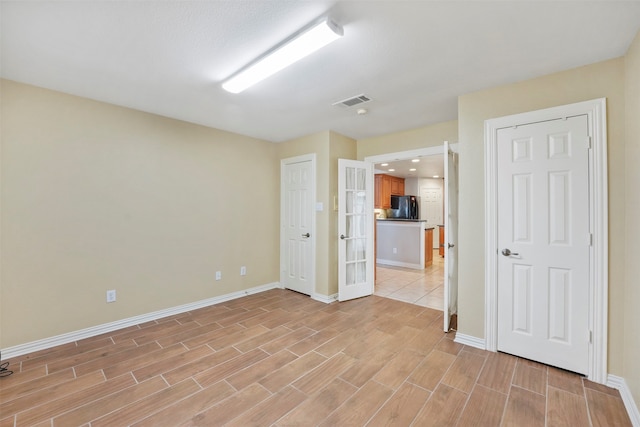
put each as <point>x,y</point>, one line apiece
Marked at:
<point>399,264</point>
<point>632,409</point>
<point>43,344</point>
<point>327,299</point>
<point>612,381</point>
<point>470,341</point>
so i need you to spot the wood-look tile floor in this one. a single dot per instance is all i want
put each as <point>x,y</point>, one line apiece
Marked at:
<point>280,358</point>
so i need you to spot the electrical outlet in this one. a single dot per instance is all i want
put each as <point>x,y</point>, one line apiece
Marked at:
<point>111,295</point>
<point>395,250</point>
<point>218,275</point>
<point>243,271</point>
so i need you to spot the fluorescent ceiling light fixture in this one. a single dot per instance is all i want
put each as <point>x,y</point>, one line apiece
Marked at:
<point>291,50</point>
<point>412,170</point>
<point>415,160</point>
<point>384,164</point>
<point>436,176</point>
<point>392,170</point>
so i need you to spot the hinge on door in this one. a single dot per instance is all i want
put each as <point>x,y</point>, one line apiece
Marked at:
<point>590,239</point>
<point>588,143</point>
<point>590,337</point>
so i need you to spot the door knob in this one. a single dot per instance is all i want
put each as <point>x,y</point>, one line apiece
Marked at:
<point>306,235</point>
<point>450,245</point>
<point>507,252</point>
<point>342,236</point>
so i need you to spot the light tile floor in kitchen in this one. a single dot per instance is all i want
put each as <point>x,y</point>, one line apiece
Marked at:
<point>420,287</point>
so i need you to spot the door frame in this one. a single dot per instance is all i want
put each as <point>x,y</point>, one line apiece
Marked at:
<point>598,211</point>
<point>410,154</point>
<point>450,248</point>
<point>283,261</point>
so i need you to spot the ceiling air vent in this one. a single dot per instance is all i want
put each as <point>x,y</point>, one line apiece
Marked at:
<point>354,100</point>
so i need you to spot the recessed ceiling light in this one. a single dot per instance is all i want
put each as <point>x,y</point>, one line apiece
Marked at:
<point>412,170</point>
<point>415,160</point>
<point>392,170</point>
<point>436,176</point>
<point>384,164</point>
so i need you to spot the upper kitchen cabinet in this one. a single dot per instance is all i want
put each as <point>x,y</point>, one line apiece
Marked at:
<point>397,186</point>
<point>381,193</point>
<point>385,187</point>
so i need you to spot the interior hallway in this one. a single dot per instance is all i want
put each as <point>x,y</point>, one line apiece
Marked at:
<point>420,287</point>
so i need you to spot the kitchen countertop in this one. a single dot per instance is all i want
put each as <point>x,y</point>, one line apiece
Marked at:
<point>404,221</point>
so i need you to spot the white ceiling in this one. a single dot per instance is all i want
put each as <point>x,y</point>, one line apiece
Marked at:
<point>413,58</point>
<point>426,167</point>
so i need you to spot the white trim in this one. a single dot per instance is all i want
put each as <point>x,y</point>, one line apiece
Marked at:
<point>402,155</point>
<point>632,409</point>
<point>400,263</point>
<point>598,196</point>
<point>470,341</point>
<point>45,343</point>
<point>490,239</point>
<point>327,299</point>
<point>283,262</point>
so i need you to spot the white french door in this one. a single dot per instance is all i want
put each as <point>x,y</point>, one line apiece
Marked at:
<point>297,252</point>
<point>356,264</point>
<point>544,242</point>
<point>450,235</point>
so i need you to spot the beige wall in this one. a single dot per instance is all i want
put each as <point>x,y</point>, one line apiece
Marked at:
<point>605,79</point>
<point>331,146</point>
<point>632,223</point>
<point>424,137</point>
<point>97,197</point>
<point>328,147</point>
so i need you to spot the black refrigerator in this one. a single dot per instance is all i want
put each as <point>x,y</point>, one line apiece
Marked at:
<point>404,207</point>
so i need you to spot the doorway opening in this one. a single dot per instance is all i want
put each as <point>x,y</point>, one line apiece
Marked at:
<point>424,178</point>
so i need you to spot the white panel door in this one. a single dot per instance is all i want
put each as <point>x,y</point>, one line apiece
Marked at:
<point>297,223</point>
<point>543,239</point>
<point>431,206</point>
<point>450,235</point>
<point>356,263</point>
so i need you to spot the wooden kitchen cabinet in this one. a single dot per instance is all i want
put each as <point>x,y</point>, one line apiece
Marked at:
<point>385,186</point>
<point>441,227</point>
<point>382,198</point>
<point>397,186</point>
<point>428,247</point>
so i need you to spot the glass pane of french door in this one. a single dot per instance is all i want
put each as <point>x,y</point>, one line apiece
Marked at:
<point>355,225</point>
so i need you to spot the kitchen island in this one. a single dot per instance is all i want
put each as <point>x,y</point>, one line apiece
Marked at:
<point>403,243</point>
